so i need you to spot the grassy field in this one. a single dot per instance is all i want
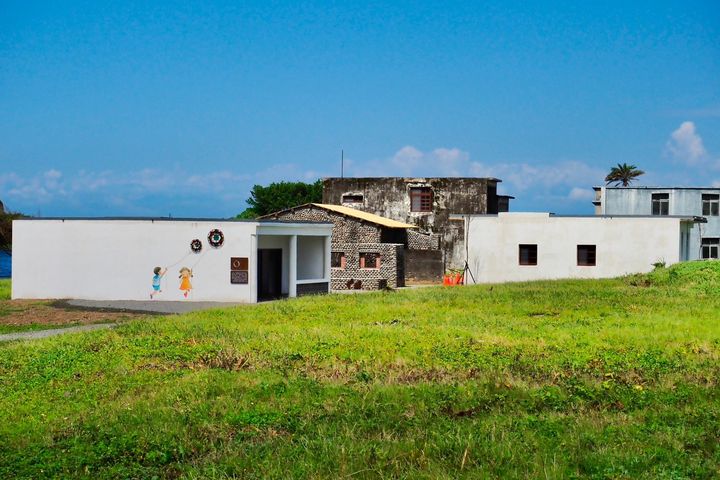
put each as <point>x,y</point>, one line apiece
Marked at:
<point>592,379</point>
<point>4,289</point>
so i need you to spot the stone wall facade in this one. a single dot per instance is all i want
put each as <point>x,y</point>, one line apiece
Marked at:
<point>353,236</point>
<point>422,241</point>
<point>345,229</point>
<point>391,273</point>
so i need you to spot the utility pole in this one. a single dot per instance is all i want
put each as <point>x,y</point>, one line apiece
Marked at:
<point>342,163</point>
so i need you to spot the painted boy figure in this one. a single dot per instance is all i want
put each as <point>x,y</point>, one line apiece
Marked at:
<point>156,280</point>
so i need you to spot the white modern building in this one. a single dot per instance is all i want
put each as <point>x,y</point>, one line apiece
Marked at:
<point>704,241</point>
<point>198,259</point>
<point>511,247</point>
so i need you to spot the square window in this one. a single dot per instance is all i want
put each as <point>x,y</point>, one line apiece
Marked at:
<point>710,247</point>
<point>352,198</point>
<point>421,199</point>
<point>710,204</point>
<point>586,255</point>
<point>528,255</point>
<point>337,260</point>
<point>369,260</point>
<point>660,203</point>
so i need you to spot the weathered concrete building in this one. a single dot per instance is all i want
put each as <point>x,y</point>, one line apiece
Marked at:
<point>427,203</point>
<point>367,250</point>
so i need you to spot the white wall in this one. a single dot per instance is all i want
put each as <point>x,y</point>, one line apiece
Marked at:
<point>311,258</point>
<point>114,259</point>
<point>624,245</point>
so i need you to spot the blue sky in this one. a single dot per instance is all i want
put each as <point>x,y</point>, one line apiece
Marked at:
<point>179,108</point>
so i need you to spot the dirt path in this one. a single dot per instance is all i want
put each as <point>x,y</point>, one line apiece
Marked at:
<point>23,313</point>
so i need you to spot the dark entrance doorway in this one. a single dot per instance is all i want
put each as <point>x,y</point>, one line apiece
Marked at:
<point>269,272</point>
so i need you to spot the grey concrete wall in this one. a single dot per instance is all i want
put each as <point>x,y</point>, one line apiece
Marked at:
<point>423,266</point>
<point>686,202</point>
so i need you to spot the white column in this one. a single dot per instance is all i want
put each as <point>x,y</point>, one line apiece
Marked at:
<point>253,269</point>
<point>328,249</point>
<point>292,267</point>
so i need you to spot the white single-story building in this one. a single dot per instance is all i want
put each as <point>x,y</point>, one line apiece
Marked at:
<point>510,247</point>
<point>169,259</point>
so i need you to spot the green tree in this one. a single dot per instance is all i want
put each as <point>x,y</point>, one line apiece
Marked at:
<point>6,219</point>
<point>281,196</point>
<point>623,174</point>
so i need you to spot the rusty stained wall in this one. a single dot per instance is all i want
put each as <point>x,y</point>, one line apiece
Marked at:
<point>390,197</point>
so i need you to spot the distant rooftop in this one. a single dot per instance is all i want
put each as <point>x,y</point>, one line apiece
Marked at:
<point>654,188</point>
<point>555,215</point>
<point>350,212</point>
<point>167,219</point>
<point>411,179</point>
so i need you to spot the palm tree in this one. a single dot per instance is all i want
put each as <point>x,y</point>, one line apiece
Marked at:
<point>623,175</point>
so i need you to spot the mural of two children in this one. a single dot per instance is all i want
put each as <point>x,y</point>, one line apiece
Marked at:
<point>185,284</point>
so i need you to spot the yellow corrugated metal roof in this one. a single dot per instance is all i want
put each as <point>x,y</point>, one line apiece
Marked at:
<point>369,217</point>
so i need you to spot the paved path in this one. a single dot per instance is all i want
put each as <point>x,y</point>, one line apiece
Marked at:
<point>116,306</point>
<point>55,331</point>
<point>149,306</point>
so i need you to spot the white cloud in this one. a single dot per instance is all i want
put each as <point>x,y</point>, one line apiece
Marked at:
<point>523,176</point>
<point>577,193</point>
<point>410,161</point>
<point>141,192</point>
<point>685,144</point>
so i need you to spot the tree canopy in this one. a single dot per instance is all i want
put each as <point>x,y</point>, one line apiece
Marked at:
<point>280,196</point>
<point>623,174</point>
<point>6,219</point>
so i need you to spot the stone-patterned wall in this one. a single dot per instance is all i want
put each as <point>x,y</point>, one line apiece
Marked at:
<point>391,269</point>
<point>345,229</point>
<point>422,241</point>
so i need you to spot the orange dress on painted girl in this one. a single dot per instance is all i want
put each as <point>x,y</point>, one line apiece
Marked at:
<point>185,285</point>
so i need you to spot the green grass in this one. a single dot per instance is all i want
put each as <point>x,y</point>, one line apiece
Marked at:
<point>5,289</point>
<point>592,379</point>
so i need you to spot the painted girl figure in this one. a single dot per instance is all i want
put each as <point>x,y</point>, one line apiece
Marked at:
<point>156,280</point>
<point>185,285</point>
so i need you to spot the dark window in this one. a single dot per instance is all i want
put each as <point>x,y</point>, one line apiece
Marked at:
<point>528,255</point>
<point>586,255</point>
<point>660,203</point>
<point>421,199</point>
<point>369,260</point>
<point>337,259</point>
<point>710,247</point>
<point>349,198</point>
<point>711,204</point>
